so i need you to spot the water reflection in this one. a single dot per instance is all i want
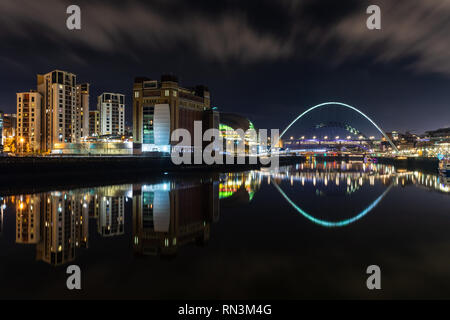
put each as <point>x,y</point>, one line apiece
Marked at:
<point>171,214</point>
<point>167,216</point>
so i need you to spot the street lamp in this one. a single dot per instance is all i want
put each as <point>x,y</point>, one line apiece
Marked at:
<point>22,140</point>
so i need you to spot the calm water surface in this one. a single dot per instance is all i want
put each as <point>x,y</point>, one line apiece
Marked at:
<point>308,231</point>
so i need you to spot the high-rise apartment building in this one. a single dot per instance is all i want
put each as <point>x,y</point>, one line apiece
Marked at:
<point>59,109</point>
<point>82,112</point>
<point>94,123</point>
<point>112,113</point>
<point>29,105</point>
<point>1,131</point>
<point>159,107</point>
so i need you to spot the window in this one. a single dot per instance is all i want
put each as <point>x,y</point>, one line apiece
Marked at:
<point>136,94</point>
<point>166,93</point>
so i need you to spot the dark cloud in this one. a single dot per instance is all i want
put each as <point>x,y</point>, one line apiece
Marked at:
<point>108,28</point>
<point>413,29</point>
<point>410,29</point>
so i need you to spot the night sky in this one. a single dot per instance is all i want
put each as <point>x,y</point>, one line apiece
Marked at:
<point>268,60</point>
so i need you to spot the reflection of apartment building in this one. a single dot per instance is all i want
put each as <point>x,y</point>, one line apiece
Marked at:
<point>160,107</point>
<point>111,218</point>
<point>94,207</point>
<point>107,206</point>
<point>165,219</point>
<point>29,122</point>
<point>112,113</point>
<point>28,219</point>
<point>63,227</point>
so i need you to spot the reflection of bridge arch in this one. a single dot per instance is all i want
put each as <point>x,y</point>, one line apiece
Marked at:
<point>342,105</point>
<point>331,224</point>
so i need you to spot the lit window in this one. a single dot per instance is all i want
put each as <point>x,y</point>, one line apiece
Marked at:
<point>136,94</point>
<point>166,93</point>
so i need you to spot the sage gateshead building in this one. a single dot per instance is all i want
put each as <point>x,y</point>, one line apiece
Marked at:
<point>162,106</point>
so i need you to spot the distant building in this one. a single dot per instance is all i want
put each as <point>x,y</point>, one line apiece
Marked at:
<point>112,113</point>
<point>82,113</point>
<point>160,107</point>
<point>443,133</point>
<point>1,131</point>
<point>9,125</point>
<point>29,122</point>
<point>94,123</point>
<point>8,134</point>
<point>229,123</point>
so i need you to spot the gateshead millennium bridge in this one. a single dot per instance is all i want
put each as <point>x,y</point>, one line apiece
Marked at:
<point>337,142</point>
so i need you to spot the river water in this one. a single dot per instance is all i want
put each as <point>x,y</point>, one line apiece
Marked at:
<point>307,231</point>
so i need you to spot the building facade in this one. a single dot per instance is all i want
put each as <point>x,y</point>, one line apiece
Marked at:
<point>160,107</point>
<point>60,118</point>
<point>1,131</point>
<point>82,112</point>
<point>9,125</point>
<point>29,122</point>
<point>112,113</point>
<point>94,123</point>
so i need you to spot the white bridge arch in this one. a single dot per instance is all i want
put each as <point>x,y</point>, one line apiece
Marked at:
<point>342,105</point>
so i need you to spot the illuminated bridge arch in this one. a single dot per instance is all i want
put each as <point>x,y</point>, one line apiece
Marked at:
<point>333,224</point>
<point>325,104</point>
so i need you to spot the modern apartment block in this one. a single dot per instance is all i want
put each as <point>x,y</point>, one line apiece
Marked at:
<point>94,123</point>
<point>112,113</point>
<point>159,107</point>
<point>59,110</point>
<point>82,112</point>
<point>1,131</point>
<point>29,122</point>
